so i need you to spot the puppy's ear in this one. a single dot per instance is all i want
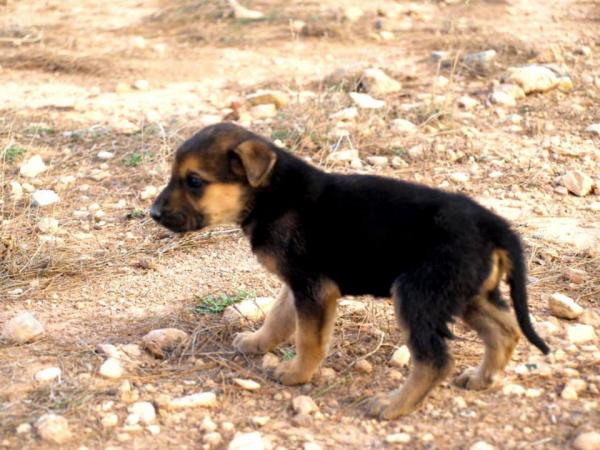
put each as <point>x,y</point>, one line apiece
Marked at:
<point>258,161</point>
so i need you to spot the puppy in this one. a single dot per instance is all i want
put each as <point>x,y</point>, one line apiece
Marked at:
<point>439,255</point>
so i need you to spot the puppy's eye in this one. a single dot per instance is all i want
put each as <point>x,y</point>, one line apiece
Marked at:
<point>194,182</point>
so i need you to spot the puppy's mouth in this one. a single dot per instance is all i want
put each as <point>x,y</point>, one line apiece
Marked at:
<point>181,223</point>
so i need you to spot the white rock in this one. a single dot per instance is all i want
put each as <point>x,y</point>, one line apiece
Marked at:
<point>248,441</point>
<point>198,400</point>
<point>365,101</point>
<point>569,393</point>
<point>403,126</point>
<point>108,350</point>
<point>16,190</point>
<point>261,421</point>
<point>149,192</point>
<point>269,361</point>
<point>587,441</point>
<point>401,357</point>
<point>132,420</point>
<point>577,384</point>
<point>266,111</point>
<point>533,78</point>
<point>145,411</point>
<point>312,446</point>
<point>241,12</point>
<point>53,428</point>
<point>32,167</point>
<point>47,225</point>
<point>513,389</point>
<point>398,438</point>
<point>594,129</point>
<point>345,114</point>
<point>22,328</point>
<point>353,13</point>
<point>213,439</point>
<point>481,445</point>
<point>141,85</point>
<point>304,405</point>
<point>28,187</point>
<point>578,183</point>
<point>44,197</point>
<point>162,341</point>
<point>378,161</point>
<point>251,309</point>
<point>342,156</point>
<point>208,425</point>
<point>467,102</point>
<point>268,97</point>
<point>377,82</point>
<point>564,307</point>
<point>110,420</point>
<point>24,428</point>
<point>111,368</point>
<point>48,374</point>
<point>460,177</point>
<point>104,155</point>
<point>579,333</point>
<point>479,60</point>
<point>364,366</point>
<point>502,98</point>
<point>248,385</point>
<point>154,430</point>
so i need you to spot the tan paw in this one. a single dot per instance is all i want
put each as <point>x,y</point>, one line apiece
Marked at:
<point>291,373</point>
<point>389,406</point>
<point>249,343</point>
<point>471,379</point>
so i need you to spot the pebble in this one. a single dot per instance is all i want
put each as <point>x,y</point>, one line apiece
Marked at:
<point>266,111</point>
<point>480,60</point>
<point>241,12</point>
<point>44,197</point>
<point>481,445</point>
<point>403,126</point>
<point>502,98</point>
<point>304,405</point>
<point>460,177</point>
<point>578,183</point>
<point>200,399</point>
<point>378,161</point>
<point>564,307</point>
<point>47,225</point>
<point>53,428</point>
<point>248,385</point>
<point>141,85</point>
<point>364,366</point>
<point>110,420</point>
<point>593,129</point>
<point>154,430</point>
<point>108,350</point>
<point>589,440</point>
<point>467,102</point>
<point>104,155</point>
<point>16,190</point>
<point>269,361</point>
<point>577,276</point>
<point>353,13</point>
<point>580,333</point>
<point>32,167</point>
<point>311,446</point>
<point>149,192</point>
<point>534,78</point>
<point>251,309</point>
<point>162,341</point>
<point>111,368</point>
<point>377,82</point>
<point>213,438</point>
<point>145,411</point>
<point>48,374</point>
<point>398,438</point>
<point>513,389</point>
<point>266,97</point>
<point>365,101</point>
<point>208,424</point>
<point>24,428</point>
<point>569,393</point>
<point>261,421</point>
<point>342,156</point>
<point>22,328</point>
<point>401,357</point>
<point>345,114</point>
<point>248,441</point>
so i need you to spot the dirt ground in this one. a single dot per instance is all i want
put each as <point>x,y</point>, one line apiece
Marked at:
<point>135,78</point>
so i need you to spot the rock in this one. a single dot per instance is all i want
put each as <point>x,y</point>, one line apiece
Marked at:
<point>111,368</point>
<point>353,13</point>
<point>467,102</point>
<point>145,411</point>
<point>365,101</point>
<point>304,405</point>
<point>110,420</point>
<point>149,192</point>
<point>534,78</point>
<point>481,445</point>
<point>402,126</point>
<point>401,357</point>
<point>460,177</point>
<point>378,161</point>
<point>377,82</point>
<point>564,307</point>
<point>251,309</point>
<point>213,439</point>
<point>398,163</point>
<point>577,276</point>
<point>345,114</point>
<point>502,98</point>
<point>578,183</point>
<point>443,58</point>
<point>108,350</point>
<point>513,90</point>
<point>480,61</point>
<point>16,190</point>
<point>416,152</point>
<point>32,167</point>
<point>311,446</point>
<point>261,421</point>
<point>132,350</point>
<point>208,424</point>
<point>22,328</point>
<point>342,156</point>
<point>269,361</point>
<point>48,374</point>
<point>364,366</point>
<point>573,388</point>
<point>241,12</point>
<point>533,393</point>
<point>24,428</point>
<point>162,341</point>
<point>266,97</point>
<point>44,197</point>
<point>248,385</point>
<point>199,400</point>
<point>53,428</point>
<point>577,334</point>
<point>47,225</point>
<point>568,393</point>
<point>513,389</point>
<point>141,85</point>
<point>441,82</point>
<point>398,438</point>
<point>104,155</point>
<point>266,111</point>
<point>327,373</point>
<point>587,441</point>
<point>248,441</point>
<point>593,129</point>
<point>154,430</point>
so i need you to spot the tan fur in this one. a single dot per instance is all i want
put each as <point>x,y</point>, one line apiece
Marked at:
<point>500,266</point>
<point>220,203</point>
<point>268,261</point>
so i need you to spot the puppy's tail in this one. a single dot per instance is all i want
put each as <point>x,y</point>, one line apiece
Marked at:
<point>517,280</point>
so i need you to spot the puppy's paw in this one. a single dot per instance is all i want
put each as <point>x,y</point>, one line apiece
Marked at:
<point>472,379</point>
<point>291,373</point>
<point>249,343</point>
<point>376,405</point>
<point>389,406</point>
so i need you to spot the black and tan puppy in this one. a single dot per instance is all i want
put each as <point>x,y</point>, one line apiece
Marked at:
<point>439,255</point>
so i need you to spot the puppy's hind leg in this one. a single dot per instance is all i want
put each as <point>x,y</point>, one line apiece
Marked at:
<point>278,326</point>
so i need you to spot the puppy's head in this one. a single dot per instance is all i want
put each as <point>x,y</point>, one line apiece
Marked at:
<point>214,178</point>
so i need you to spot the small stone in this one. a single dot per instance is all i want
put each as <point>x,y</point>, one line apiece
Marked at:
<point>460,177</point>
<point>104,155</point>
<point>110,420</point>
<point>502,98</point>
<point>569,393</point>
<point>248,385</point>
<point>304,405</point>
<point>416,152</point>
<point>564,307</point>
<point>480,61</point>
<point>162,341</point>
<point>265,97</point>
<point>364,366</point>
<point>48,374</point>
<point>532,78</point>
<point>154,430</point>
<point>269,361</point>
<point>24,428</point>
<point>111,368</point>
<point>132,350</point>
<point>578,183</point>
<point>587,441</point>
<point>241,12</point>
<point>345,114</point>
<point>22,328</point>
<point>266,111</point>
<point>32,167</point>
<point>47,225</point>
<point>377,82</point>
<point>227,427</point>
<point>44,197</point>
<point>467,102</point>
<point>577,276</point>
<point>513,389</point>
<point>199,400</point>
<point>365,101</point>
<point>261,421</point>
<point>141,85</point>
<point>593,129</point>
<point>16,190</point>
<point>108,350</point>
<point>578,384</point>
<point>208,424</point>
<point>312,446</point>
<point>577,334</point>
<point>149,192</point>
<point>398,163</point>
<point>398,438</point>
<point>53,428</point>
<point>213,439</point>
<point>353,13</point>
<point>248,441</point>
<point>403,126</point>
<point>481,445</point>
<point>251,309</point>
<point>342,156</point>
<point>327,374</point>
<point>145,411</point>
<point>459,402</point>
<point>378,161</point>
<point>401,357</point>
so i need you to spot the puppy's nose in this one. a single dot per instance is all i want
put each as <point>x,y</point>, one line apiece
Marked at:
<point>155,212</point>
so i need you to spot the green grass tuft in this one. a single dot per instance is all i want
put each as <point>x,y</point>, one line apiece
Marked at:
<point>212,304</point>
<point>11,153</point>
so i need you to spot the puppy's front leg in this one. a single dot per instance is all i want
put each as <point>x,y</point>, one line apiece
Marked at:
<point>315,312</point>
